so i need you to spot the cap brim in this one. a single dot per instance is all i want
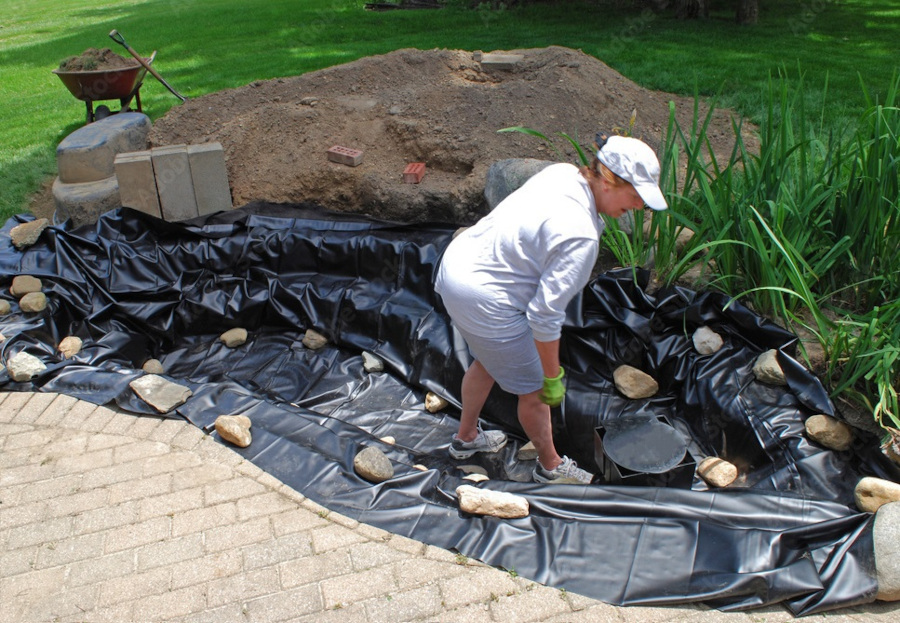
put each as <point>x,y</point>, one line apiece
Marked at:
<point>652,196</point>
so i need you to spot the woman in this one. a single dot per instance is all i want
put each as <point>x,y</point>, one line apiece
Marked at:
<point>506,282</point>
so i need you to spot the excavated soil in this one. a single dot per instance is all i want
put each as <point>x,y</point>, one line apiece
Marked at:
<point>93,59</point>
<point>440,107</point>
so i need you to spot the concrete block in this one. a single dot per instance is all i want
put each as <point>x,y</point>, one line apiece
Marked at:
<point>137,184</point>
<point>209,177</point>
<point>500,61</point>
<point>83,203</point>
<point>345,155</point>
<point>414,172</point>
<point>88,154</point>
<point>172,169</point>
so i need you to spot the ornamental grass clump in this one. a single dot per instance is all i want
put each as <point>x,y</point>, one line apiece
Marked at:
<point>804,229</point>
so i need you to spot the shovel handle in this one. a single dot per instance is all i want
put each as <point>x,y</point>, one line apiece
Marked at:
<point>118,38</point>
<point>115,36</point>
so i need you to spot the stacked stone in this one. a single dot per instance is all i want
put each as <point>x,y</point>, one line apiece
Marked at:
<point>87,186</point>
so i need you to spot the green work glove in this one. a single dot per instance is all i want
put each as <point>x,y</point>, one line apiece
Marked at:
<point>554,390</point>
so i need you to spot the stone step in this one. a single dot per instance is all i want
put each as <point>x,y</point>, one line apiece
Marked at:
<point>84,202</point>
<point>88,154</point>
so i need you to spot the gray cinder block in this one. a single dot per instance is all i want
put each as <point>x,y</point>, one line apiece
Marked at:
<point>209,177</point>
<point>173,182</point>
<point>137,183</point>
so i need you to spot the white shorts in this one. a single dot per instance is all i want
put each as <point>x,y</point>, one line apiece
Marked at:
<point>513,362</point>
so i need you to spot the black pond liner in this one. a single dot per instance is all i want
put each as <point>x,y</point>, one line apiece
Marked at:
<point>133,287</point>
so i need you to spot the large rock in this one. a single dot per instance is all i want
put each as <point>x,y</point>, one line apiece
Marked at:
<point>886,533</point>
<point>434,403</point>
<point>234,337</point>
<point>70,346</point>
<point>33,302</point>
<point>829,432</point>
<point>767,369</point>
<point>24,284</point>
<point>83,203</point>
<point>634,383</point>
<point>505,176</point>
<point>494,503</point>
<point>88,154</point>
<point>717,472</point>
<point>706,341</point>
<point>23,367</point>
<point>373,465</point>
<point>314,340</point>
<point>234,429</point>
<point>162,394</point>
<point>872,493</point>
<point>27,234</point>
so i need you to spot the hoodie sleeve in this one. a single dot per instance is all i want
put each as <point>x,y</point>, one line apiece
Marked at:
<point>566,272</point>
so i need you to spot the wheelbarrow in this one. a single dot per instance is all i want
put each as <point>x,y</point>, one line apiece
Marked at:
<point>122,84</point>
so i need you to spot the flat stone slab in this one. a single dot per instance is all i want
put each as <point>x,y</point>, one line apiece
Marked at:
<point>88,154</point>
<point>161,394</point>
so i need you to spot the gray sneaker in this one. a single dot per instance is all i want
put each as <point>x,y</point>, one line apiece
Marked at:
<point>566,473</point>
<point>486,441</point>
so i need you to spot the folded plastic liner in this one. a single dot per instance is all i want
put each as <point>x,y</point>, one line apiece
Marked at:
<point>133,287</point>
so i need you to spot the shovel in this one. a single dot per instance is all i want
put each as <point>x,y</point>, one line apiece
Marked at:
<point>115,36</point>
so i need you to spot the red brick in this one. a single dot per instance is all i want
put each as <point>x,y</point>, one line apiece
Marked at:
<point>414,172</point>
<point>345,155</point>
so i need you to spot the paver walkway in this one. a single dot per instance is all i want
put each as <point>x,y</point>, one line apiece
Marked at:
<point>105,516</point>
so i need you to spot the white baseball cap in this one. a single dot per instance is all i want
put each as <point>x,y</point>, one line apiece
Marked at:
<point>634,161</point>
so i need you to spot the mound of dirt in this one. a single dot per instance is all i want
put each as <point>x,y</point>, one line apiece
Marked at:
<point>440,107</point>
<point>93,59</point>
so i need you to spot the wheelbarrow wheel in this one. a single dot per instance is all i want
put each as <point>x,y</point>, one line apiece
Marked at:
<point>102,112</point>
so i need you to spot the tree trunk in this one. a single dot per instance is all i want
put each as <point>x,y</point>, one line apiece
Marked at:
<point>748,11</point>
<point>691,9</point>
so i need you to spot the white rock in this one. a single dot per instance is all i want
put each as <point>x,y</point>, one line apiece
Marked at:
<point>527,452</point>
<point>829,432</point>
<point>717,472</point>
<point>872,493</point>
<point>476,477</point>
<point>161,394</point>
<point>886,534</point>
<point>314,340</point>
<point>494,503</point>
<point>372,363</point>
<point>634,383</point>
<point>420,467</point>
<point>706,341</point>
<point>70,346</point>
<point>234,337</point>
<point>23,367</point>
<point>235,429</point>
<point>434,403</point>
<point>472,469</point>
<point>767,369</point>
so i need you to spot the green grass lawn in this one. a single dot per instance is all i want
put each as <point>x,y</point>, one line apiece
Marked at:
<point>208,46</point>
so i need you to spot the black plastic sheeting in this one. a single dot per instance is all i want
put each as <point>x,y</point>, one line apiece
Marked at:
<point>134,287</point>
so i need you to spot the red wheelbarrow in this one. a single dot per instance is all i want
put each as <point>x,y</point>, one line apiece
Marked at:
<point>122,84</point>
